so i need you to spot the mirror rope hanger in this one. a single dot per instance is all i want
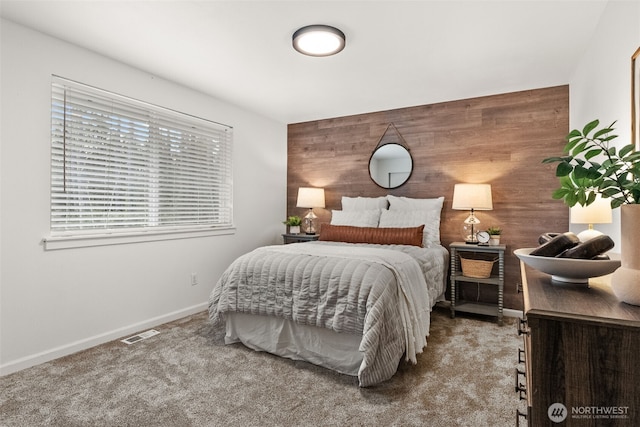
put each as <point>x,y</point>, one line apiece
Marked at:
<point>401,142</point>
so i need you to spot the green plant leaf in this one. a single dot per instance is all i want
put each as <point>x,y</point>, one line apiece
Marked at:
<point>557,159</point>
<point>566,182</point>
<point>601,132</point>
<point>592,153</point>
<point>572,143</point>
<point>594,174</point>
<point>609,183</point>
<point>610,192</point>
<point>559,193</point>
<point>633,157</point>
<point>580,147</point>
<point>616,203</point>
<point>613,168</point>
<point>571,199</point>
<point>563,169</point>
<point>574,134</point>
<point>590,126</point>
<point>580,172</point>
<point>626,150</point>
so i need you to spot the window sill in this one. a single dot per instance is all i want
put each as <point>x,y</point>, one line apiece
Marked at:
<point>52,243</point>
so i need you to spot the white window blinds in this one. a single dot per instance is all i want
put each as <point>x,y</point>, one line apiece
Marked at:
<point>124,165</point>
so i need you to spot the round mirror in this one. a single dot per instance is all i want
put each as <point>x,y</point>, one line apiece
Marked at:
<point>390,165</point>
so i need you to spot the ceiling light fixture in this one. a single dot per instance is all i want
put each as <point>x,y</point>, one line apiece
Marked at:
<point>318,40</point>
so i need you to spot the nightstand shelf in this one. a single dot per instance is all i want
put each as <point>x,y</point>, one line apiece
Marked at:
<point>495,279</point>
<point>299,238</point>
<point>486,309</point>
<point>489,281</point>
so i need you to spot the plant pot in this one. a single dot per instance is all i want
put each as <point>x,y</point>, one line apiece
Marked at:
<point>494,240</point>
<point>294,229</point>
<point>625,281</point>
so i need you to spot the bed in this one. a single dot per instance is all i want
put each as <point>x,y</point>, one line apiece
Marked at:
<point>356,301</point>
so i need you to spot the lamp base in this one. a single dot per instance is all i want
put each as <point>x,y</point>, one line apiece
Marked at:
<point>588,234</point>
<point>469,229</point>
<point>309,223</point>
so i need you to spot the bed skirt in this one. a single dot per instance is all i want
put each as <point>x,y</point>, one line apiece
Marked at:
<point>320,346</point>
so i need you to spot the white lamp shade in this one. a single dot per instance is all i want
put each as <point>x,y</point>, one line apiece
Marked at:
<point>598,212</point>
<point>309,197</point>
<point>472,196</point>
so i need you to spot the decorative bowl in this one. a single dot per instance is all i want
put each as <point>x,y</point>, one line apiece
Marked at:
<point>569,269</point>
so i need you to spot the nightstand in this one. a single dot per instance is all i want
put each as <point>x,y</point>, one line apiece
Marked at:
<point>299,238</point>
<point>496,278</point>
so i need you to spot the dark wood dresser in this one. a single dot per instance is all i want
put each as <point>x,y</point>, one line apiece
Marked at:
<point>581,354</point>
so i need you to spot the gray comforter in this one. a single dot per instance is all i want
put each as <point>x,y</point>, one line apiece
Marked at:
<point>384,293</point>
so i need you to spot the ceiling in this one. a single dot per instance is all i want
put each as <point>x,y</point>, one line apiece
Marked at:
<point>398,53</point>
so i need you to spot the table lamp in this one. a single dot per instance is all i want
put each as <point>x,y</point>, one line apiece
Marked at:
<point>474,197</point>
<point>598,212</point>
<point>309,197</point>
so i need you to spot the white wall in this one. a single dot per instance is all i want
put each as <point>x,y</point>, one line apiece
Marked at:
<point>600,87</point>
<point>56,302</point>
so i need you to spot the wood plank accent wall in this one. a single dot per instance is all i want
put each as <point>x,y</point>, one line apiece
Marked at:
<point>499,139</point>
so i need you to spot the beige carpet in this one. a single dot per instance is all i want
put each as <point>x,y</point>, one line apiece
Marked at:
<point>186,376</point>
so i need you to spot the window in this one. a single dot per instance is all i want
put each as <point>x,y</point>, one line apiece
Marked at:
<point>121,165</point>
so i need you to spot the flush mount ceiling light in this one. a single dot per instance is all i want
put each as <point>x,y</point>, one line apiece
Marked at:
<point>318,40</point>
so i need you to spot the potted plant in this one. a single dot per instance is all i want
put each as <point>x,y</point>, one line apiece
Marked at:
<point>494,235</point>
<point>293,222</point>
<point>592,166</point>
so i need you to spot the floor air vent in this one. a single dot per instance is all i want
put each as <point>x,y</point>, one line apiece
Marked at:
<point>141,336</point>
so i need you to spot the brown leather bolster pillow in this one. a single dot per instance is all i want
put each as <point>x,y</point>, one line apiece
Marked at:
<point>375,235</point>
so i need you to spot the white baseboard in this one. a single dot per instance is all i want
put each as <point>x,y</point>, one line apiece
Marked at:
<point>509,312</point>
<point>65,350</point>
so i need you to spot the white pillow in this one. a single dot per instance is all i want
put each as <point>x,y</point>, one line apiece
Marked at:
<point>363,203</point>
<point>408,204</point>
<point>403,219</point>
<point>366,218</point>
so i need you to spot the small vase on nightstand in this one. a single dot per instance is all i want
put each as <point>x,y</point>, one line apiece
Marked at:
<point>294,229</point>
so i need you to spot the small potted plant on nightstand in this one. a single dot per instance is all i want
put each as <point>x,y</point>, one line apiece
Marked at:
<point>494,235</point>
<point>293,222</point>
